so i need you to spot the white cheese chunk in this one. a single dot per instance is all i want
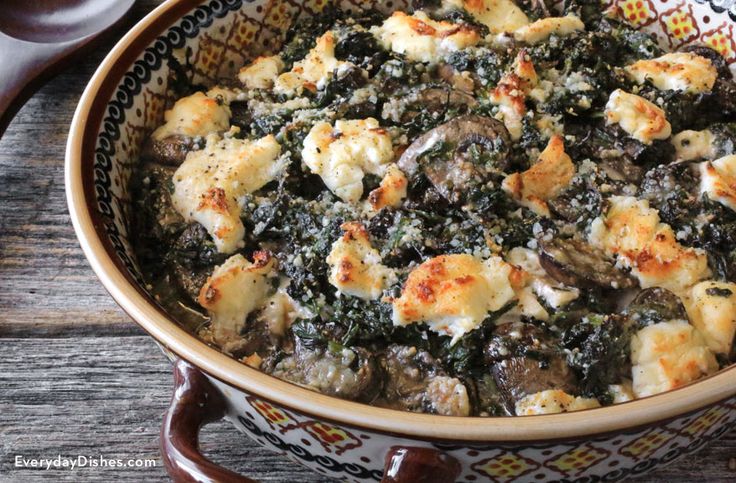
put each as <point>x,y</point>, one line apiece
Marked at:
<point>453,294</point>
<point>663,262</point>
<point>632,231</point>
<point>280,310</point>
<point>448,396</point>
<point>626,228</point>
<point>668,355</point>
<point>690,145</point>
<point>718,180</point>
<point>314,71</point>
<point>621,392</point>
<point>544,180</point>
<point>541,30</point>
<point>226,95</point>
<point>261,73</point>
<point>553,401</point>
<point>554,294</point>
<point>195,115</point>
<point>679,71</point>
<point>235,289</point>
<point>355,266</point>
<point>498,15</point>
<point>422,39</point>
<point>712,310</point>
<point>210,184</point>
<point>511,92</point>
<point>342,154</point>
<point>638,117</point>
<point>527,260</point>
<point>391,190</point>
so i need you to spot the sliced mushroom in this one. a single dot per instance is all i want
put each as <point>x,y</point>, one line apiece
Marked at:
<point>520,376</point>
<point>525,359</point>
<point>653,305</point>
<point>415,381</point>
<point>155,221</point>
<point>348,373</point>
<point>428,106</point>
<point>576,263</point>
<point>407,371</point>
<point>458,80</point>
<point>192,258</point>
<point>255,338</point>
<point>580,201</point>
<point>622,169</point>
<point>169,151</point>
<point>444,154</point>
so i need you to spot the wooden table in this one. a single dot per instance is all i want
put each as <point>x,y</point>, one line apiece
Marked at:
<point>77,376</point>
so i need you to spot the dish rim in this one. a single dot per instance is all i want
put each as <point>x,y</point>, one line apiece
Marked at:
<point>164,329</point>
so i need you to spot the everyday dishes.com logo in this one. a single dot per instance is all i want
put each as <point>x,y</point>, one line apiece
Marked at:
<point>82,461</point>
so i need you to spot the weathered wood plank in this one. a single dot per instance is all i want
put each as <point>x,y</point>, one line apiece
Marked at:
<point>103,396</point>
<point>39,252</point>
<point>106,395</point>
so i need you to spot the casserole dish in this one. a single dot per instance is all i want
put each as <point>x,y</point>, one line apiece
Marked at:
<point>122,104</point>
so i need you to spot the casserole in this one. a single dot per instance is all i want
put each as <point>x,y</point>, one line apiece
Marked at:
<point>125,100</point>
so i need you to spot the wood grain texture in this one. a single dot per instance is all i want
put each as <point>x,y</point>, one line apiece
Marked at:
<point>104,396</point>
<point>76,375</point>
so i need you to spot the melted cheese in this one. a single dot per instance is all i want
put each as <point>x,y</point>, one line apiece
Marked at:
<point>226,95</point>
<point>543,28</point>
<point>663,262</point>
<point>343,154</point>
<point>498,15</point>
<point>691,145</point>
<point>235,289</point>
<point>553,401</point>
<point>543,181</point>
<point>638,117</point>
<point>712,310</point>
<point>510,93</point>
<point>718,180</point>
<point>448,396</point>
<point>314,71</point>
<point>668,355</point>
<point>422,39</point>
<point>529,305</point>
<point>621,392</point>
<point>355,266</point>
<point>679,71</point>
<point>391,190</point>
<point>627,227</point>
<point>632,230</point>
<point>280,311</point>
<point>453,294</point>
<point>261,73</point>
<point>554,294</point>
<point>195,115</point>
<point>210,184</point>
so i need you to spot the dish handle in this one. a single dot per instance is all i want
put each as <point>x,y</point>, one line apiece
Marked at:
<point>196,403</point>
